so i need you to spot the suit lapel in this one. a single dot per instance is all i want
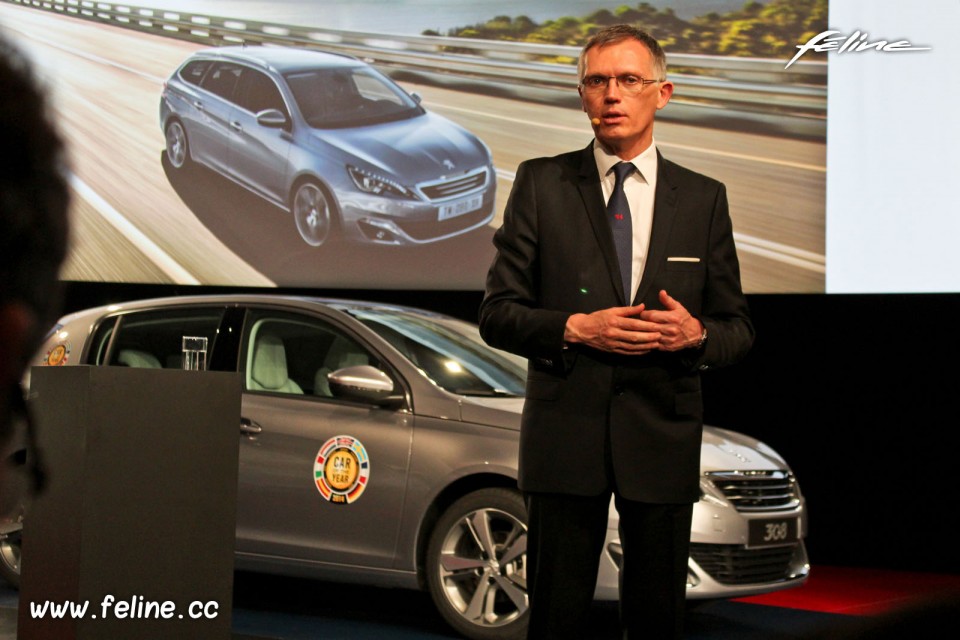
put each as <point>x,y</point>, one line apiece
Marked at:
<point>595,207</point>
<point>664,213</point>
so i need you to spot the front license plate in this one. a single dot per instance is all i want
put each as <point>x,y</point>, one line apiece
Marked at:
<point>460,207</point>
<point>768,533</point>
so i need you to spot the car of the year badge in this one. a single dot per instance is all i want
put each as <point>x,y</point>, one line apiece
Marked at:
<point>331,140</point>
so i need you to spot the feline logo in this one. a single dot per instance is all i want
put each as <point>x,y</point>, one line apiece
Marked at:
<point>855,43</point>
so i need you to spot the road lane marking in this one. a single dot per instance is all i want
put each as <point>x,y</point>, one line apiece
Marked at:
<point>781,253</point>
<point>667,145</point>
<point>160,258</point>
<point>95,58</point>
<point>744,156</point>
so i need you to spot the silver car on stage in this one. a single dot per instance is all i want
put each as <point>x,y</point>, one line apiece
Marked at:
<point>332,140</point>
<point>378,444</point>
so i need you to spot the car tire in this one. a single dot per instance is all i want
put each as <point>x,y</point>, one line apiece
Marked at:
<point>314,212</point>
<point>10,557</point>
<point>476,565</point>
<point>178,147</point>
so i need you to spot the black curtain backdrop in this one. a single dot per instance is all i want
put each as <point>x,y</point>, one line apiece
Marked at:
<point>857,392</point>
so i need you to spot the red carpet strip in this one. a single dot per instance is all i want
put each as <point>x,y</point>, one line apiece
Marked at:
<point>860,592</point>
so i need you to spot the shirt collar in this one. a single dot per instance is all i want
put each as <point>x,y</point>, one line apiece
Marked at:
<point>645,162</point>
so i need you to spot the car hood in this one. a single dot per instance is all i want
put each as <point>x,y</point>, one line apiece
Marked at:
<point>724,450</point>
<point>721,449</point>
<point>426,147</point>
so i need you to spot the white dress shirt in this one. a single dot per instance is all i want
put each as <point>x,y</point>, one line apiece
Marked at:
<point>640,188</point>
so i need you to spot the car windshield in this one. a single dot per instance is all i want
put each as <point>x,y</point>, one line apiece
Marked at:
<point>450,352</point>
<point>349,97</point>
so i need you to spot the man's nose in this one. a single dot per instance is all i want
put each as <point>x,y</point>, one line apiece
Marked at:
<point>612,92</point>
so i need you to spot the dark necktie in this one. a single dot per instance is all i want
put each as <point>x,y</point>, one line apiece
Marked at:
<point>618,211</point>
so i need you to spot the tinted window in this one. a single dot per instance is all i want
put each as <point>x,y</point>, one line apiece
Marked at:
<point>152,339</point>
<point>288,353</point>
<point>448,351</point>
<point>222,79</point>
<point>258,92</point>
<point>354,96</point>
<point>192,72</point>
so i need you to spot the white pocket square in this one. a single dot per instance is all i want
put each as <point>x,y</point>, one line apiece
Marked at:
<point>682,259</point>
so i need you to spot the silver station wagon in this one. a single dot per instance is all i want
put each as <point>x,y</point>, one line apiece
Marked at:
<point>378,444</point>
<point>326,136</point>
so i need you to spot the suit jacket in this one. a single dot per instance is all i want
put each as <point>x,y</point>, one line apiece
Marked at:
<point>592,419</point>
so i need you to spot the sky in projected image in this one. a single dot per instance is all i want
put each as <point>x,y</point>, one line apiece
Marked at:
<point>405,187</point>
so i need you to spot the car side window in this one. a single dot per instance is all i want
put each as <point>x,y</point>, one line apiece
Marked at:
<point>222,79</point>
<point>192,72</point>
<point>258,92</point>
<point>152,339</point>
<point>292,354</point>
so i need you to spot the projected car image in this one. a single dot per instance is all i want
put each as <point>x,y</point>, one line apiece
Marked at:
<point>331,140</point>
<point>378,444</point>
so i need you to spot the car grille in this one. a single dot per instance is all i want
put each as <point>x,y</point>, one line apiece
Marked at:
<point>455,187</point>
<point>426,230</point>
<point>757,490</point>
<point>734,564</point>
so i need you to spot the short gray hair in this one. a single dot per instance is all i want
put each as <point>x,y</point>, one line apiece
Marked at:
<point>617,33</point>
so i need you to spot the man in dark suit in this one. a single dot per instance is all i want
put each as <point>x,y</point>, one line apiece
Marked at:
<point>617,326</point>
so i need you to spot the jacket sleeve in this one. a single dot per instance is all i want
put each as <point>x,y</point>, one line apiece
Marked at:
<point>724,311</point>
<point>510,317</point>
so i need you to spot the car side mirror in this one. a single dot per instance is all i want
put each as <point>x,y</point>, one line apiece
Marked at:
<point>363,382</point>
<point>272,118</point>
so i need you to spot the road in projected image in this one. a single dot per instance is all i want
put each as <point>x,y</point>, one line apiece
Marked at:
<point>136,221</point>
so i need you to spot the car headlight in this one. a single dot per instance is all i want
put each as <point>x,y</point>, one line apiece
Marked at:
<point>370,182</point>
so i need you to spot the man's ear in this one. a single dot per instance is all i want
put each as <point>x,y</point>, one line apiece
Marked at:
<point>666,92</point>
<point>17,324</point>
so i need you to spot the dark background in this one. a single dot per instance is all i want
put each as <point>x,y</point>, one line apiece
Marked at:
<point>855,391</point>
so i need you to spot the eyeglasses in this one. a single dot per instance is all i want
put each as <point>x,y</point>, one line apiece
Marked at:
<point>628,83</point>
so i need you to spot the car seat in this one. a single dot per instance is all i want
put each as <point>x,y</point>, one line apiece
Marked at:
<point>268,371</point>
<point>138,359</point>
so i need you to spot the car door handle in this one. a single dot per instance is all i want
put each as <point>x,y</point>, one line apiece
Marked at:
<point>236,126</point>
<point>249,427</point>
<point>198,105</point>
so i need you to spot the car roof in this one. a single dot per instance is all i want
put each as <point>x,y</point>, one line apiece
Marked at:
<point>244,299</point>
<point>281,59</point>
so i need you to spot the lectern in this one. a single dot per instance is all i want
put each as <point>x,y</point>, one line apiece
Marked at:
<point>134,535</point>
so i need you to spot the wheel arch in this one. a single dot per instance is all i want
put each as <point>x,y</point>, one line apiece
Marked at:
<point>450,494</point>
<point>304,177</point>
<point>332,214</point>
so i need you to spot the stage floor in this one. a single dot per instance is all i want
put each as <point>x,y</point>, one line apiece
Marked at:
<point>833,603</point>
